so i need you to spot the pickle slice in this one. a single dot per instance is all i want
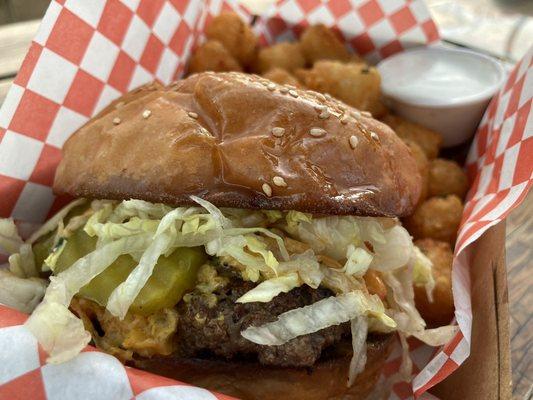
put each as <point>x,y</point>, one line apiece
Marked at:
<point>78,244</point>
<point>100,287</point>
<point>172,277</point>
<point>43,246</point>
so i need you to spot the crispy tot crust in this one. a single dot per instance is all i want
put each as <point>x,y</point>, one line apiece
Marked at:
<point>236,36</point>
<point>422,165</point>
<point>282,77</point>
<point>318,42</point>
<point>212,56</point>
<point>447,177</point>
<point>440,311</point>
<point>355,84</point>
<point>436,218</point>
<point>428,140</point>
<point>287,56</point>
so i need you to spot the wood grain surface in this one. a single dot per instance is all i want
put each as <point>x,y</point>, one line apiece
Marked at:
<point>519,246</point>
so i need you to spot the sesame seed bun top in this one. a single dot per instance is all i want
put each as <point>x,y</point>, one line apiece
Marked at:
<point>238,140</point>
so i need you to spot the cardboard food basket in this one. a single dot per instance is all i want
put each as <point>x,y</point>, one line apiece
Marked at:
<point>86,54</point>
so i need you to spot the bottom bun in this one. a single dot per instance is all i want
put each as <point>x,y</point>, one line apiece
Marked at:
<point>251,381</point>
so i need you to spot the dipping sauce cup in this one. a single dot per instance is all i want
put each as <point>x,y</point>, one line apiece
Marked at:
<point>443,89</point>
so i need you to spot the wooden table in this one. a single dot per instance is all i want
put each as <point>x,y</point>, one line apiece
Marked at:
<point>14,41</point>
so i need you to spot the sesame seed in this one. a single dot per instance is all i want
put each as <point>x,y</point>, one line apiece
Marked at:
<point>279,181</point>
<point>204,132</point>
<point>344,120</point>
<point>374,136</point>
<point>116,120</point>
<point>319,107</point>
<point>353,141</point>
<point>146,113</point>
<point>321,97</point>
<point>293,93</point>
<point>192,114</point>
<point>277,131</point>
<point>324,114</point>
<point>355,114</point>
<point>366,114</point>
<point>284,90</point>
<point>267,189</point>
<point>327,96</point>
<point>271,87</point>
<point>317,132</point>
<point>265,83</point>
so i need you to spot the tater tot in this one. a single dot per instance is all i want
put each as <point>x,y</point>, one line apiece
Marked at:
<point>440,311</point>
<point>423,167</point>
<point>285,55</point>
<point>236,36</point>
<point>320,43</point>
<point>447,177</point>
<point>212,56</point>
<point>282,77</point>
<point>436,218</point>
<point>427,139</point>
<point>356,84</point>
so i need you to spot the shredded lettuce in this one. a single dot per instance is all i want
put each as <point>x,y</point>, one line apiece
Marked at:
<point>423,272</point>
<point>359,328</point>
<point>358,261</point>
<point>307,267</point>
<point>330,236</point>
<point>267,290</point>
<point>53,222</point>
<point>339,282</point>
<point>124,294</point>
<point>406,366</point>
<point>10,241</point>
<point>266,232</point>
<point>393,250</point>
<point>114,230</point>
<point>20,293</point>
<point>402,300</point>
<point>142,209</point>
<point>59,331</point>
<point>335,252</point>
<point>437,336</point>
<point>50,262</point>
<point>294,218</point>
<point>222,221</point>
<point>405,314</point>
<point>22,264</point>
<point>327,312</point>
<point>21,261</point>
<point>246,250</point>
<point>339,236</point>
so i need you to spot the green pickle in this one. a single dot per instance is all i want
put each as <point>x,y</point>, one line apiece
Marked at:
<point>42,248</point>
<point>172,277</point>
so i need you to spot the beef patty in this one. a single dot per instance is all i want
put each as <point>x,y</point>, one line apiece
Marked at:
<point>207,329</point>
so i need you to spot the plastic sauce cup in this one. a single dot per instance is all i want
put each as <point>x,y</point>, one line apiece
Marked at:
<point>443,89</point>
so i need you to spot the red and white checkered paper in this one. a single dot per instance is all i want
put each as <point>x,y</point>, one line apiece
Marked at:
<point>86,54</point>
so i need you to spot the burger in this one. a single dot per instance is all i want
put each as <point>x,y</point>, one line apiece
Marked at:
<point>232,233</point>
